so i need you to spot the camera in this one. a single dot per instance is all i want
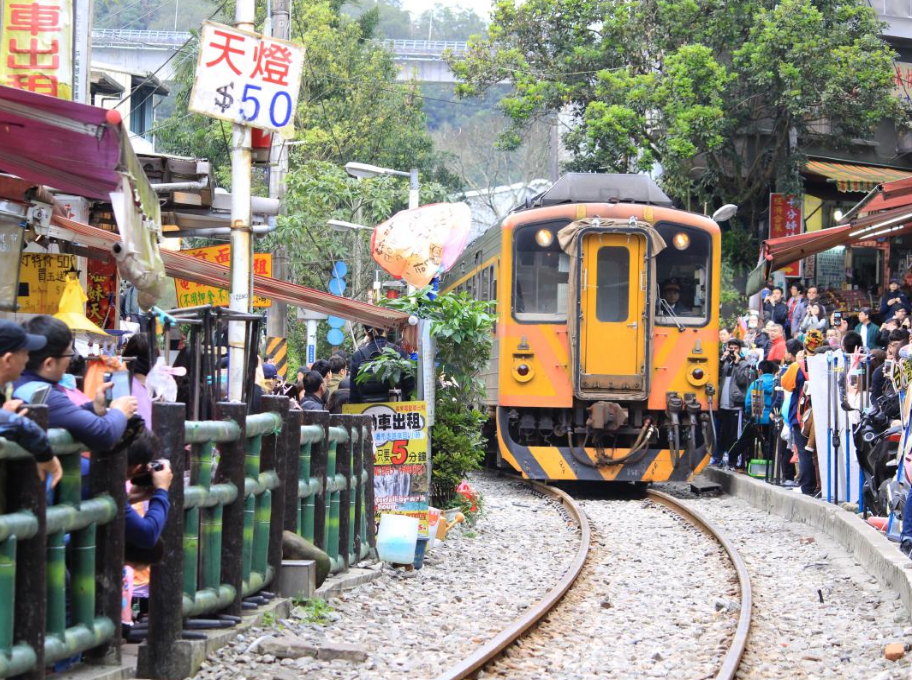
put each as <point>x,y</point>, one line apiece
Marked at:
<point>837,316</point>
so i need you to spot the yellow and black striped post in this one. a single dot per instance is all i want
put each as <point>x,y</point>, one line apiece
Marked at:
<point>277,353</point>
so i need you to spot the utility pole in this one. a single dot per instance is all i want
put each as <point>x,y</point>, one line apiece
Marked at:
<point>241,234</point>
<point>277,317</point>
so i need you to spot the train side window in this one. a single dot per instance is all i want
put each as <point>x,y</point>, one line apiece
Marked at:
<point>613,281</point>
<point>484,290</point>
<point>541,272</point>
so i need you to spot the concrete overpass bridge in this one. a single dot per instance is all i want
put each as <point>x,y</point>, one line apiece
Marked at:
<point>146,51</point>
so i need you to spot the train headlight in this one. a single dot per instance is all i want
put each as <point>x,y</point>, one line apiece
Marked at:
<point>544,237</point>
<point>681,241</point>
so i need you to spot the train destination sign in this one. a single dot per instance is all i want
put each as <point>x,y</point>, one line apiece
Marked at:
<point>247,78</point>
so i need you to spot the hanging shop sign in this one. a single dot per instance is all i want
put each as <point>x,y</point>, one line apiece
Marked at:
<point>36,50</point>
<point>42,278</point>
<point>101,288</point>
<point>785,220</point>
<point>401,466</point>
<point>190,294</point>
<point>247,78</point>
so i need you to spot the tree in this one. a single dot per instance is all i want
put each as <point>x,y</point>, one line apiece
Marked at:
<point>725,95</point>
<point>448,23</point>
<point>350,108</point>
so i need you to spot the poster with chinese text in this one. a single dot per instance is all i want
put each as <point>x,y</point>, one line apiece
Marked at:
<point>246,78</point>
<point>190,294</point>
<point>42,278</point>
<point>36,53</point>
<point>401,468</point>
<point>785,219</point>
<point>101,287</point>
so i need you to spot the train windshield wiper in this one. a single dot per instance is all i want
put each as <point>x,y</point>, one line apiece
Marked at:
<point>668,312</point>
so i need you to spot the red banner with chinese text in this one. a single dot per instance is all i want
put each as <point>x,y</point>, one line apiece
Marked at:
<point>101,287</point>
<point>785,219</point>
<point>190,294</point>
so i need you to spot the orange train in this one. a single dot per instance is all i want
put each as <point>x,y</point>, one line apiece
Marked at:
<point>605,363</point>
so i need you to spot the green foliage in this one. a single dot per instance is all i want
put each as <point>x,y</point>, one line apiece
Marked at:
<point>315,610</point>
<point>711,89</point>
<point>388,367</point>
<point>463,332</point>
<point>440,22</point>
<point>458,447</point>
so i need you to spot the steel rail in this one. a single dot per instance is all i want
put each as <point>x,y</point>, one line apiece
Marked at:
<point>472,664</point>
<point>732,658</point>
<point>536,612</point>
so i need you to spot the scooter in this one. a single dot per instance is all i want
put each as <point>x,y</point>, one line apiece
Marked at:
<point>877,450</point>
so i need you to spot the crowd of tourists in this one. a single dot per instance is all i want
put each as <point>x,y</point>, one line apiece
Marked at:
<point>765,410</point>
<point>103,398</point>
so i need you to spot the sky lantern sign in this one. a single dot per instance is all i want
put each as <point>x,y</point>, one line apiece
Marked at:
<point>246,78</point>
<point>786,220</point>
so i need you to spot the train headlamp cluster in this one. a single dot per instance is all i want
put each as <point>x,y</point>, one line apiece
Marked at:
<point>544,237</point>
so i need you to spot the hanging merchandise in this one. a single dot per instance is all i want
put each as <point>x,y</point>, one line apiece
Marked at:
<point>416,245</point>
<point>72,309</point>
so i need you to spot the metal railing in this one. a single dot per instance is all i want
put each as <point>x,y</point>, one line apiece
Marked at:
<point>250,478</point>
<point>405,48</point>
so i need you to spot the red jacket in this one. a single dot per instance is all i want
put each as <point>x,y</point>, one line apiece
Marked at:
<point>777,350</point>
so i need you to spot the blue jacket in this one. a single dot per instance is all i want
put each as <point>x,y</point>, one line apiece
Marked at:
<point>144,531</point>
<point>97,433</point>
<point>764,384</point>
<point>873,333</point>
<point>26,434</point>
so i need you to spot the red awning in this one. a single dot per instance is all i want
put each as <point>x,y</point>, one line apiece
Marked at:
<point>65,145</point>
<point>210,273</point>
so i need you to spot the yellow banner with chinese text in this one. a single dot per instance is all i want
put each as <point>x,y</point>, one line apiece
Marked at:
<point>36,50</point>
<point>190,294</point>
<point>42,278</point>
<point>401,466</point>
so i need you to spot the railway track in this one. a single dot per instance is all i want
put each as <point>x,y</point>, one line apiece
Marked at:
<point>509,641</point>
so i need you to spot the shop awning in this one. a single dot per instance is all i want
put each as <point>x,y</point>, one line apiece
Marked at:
<point>210,273</point>
<point>851,177</point>
<point>65,145</point>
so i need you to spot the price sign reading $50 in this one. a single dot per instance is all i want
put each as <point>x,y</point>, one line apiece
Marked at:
<point>246,78</point>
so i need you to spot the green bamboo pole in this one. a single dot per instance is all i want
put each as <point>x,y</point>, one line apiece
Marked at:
<point>332,504</point>
<point>305,504</point>
<point>247,554</point>
<point>56,585</point>
<point>212,546</point>
<point>191,550</point>
<point>205,464</point>
<point>263,517</point>
<point>7,593</point>
<point>83,576</point>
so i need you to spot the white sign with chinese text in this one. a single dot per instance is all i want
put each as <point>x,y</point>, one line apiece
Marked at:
<point>246,78</point>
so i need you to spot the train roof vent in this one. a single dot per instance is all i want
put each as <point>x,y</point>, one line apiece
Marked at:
<point>587,187</point>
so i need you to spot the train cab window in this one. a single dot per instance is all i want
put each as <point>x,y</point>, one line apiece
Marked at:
<point>682,276</point>
<point>541,273</point>
<point>612,296</point>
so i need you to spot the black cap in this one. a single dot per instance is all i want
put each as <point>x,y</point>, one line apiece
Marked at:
<point>13,338</point>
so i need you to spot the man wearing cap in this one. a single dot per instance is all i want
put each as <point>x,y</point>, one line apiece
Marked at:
<point>15,345</point>
<point>868,330</point>
<point>94,424</point>
<point>893,299</point>
<point>671,293</point>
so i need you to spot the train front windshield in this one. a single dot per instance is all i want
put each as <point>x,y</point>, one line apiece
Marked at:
<point>541,274</point>
<point>682,276</point>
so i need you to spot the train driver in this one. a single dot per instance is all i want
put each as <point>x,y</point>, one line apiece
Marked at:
<point>671,293</point>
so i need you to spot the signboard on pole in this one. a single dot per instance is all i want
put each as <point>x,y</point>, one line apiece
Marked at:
<point>247,79</point>
<point>400,458</point>
<point>101,287</point>
<point>42,278</point>
<point>785,219</point>
<point>36,50</point>
<point>190,294</point>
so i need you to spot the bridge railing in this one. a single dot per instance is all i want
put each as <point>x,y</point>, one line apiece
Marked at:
<point>248,477</point>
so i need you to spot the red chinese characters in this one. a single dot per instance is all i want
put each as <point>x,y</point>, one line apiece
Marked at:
<point>223,51</point>
<point>786,220</point>
<point>36,47</point>
<point>273,61</point>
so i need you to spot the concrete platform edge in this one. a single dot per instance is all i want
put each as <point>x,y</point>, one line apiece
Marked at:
<point>354,577</point>
<point>879,557</point>
<point>192,653</point>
